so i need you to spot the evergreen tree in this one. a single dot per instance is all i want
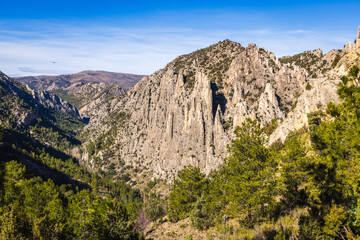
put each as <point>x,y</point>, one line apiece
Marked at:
<point>185,192</point>
<point>246,181</point>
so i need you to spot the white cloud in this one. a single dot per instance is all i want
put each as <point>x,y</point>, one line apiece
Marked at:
<point>31,49</point>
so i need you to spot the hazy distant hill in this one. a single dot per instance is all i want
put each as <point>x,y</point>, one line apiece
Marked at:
<point>123,80</point>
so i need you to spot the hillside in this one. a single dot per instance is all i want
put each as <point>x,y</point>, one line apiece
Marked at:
<point>43,189</point>
<point>221,139</point>
<point>85,89</point>
<point>123,80</point>
<point>302,186</point>
<point>186,113</point>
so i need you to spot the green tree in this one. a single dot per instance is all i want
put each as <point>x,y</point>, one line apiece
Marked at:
<point>203,214</point>
<point>118,224</point>
<point>294,173</point>
<point>185,192</point>
<point>154,207</point>
<point>13,223</point>
<point>246,182</point>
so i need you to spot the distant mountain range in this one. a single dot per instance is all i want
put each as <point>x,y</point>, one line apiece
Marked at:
<point>123,80</point>
<point>85,89</point>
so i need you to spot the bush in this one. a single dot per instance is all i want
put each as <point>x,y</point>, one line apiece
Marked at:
<point>200,216</point>
<point>354,71</point>
<point>154,208</point>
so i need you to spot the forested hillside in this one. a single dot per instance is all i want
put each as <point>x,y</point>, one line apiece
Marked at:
<point>306,188</point>
<point>44,192</point>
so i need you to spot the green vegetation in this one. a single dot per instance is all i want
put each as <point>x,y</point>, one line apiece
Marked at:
<point>308,60</point>
<point>307,188</point>
<point>215,60</point>
<point>44,192</point>
<point>270,127</point>
<point>227,124</point>
<point>31,208</point>
<point>154,207</point>
<point>187,189</point>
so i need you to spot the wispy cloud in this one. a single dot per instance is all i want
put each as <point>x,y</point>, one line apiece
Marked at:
<point>31,48</point>
<point>28,71</point>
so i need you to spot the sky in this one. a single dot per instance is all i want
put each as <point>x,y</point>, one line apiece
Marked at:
<point>62,37</point>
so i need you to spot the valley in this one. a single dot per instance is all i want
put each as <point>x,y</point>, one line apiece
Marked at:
<point>227,142</point>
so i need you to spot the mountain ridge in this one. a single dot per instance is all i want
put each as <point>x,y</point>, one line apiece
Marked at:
<point>186,113</point>
<point>183,114</point>
<point>45,82</point>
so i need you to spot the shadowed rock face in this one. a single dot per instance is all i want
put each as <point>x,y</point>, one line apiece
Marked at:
<point>34,99</point>
<point>187,112</point>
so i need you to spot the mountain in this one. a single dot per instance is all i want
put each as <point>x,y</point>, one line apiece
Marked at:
<point>123,80</point>
<point>22,105</point>
<point>322,89</point>
<point>186,113</point>
<point>39,178</point>
<point>31,121</point>
<point>84,89</point>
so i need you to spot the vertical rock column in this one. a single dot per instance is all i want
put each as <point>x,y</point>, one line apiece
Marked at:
<point>357,41</point>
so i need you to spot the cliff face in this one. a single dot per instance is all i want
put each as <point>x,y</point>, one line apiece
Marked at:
<point>187,112</point>
<point>322,90</point>
<point>21,106</point>
<point>349,55</point>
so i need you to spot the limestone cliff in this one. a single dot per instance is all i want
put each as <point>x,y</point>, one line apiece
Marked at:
<point>321,90</point>
<point>187,112</point>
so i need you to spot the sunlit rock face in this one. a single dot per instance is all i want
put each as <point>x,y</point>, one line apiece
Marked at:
<point>186,113</point>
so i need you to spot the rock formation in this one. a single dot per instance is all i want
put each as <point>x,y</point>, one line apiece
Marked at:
<point>187,112</point>
<point>36,102</point>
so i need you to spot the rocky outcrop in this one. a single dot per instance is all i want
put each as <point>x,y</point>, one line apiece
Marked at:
<point>323,91</point>
<point>186,115</point>
<point>187,112</point>
<point>269,106</point>
<point>23,105</point>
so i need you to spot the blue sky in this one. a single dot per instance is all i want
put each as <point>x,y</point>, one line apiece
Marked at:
<point>142,36</point>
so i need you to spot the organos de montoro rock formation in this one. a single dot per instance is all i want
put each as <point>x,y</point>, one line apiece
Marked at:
<point>186,112</point>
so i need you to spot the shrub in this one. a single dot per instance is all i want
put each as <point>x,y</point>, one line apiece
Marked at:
<point>154,208</point>
<point>308,86</point>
